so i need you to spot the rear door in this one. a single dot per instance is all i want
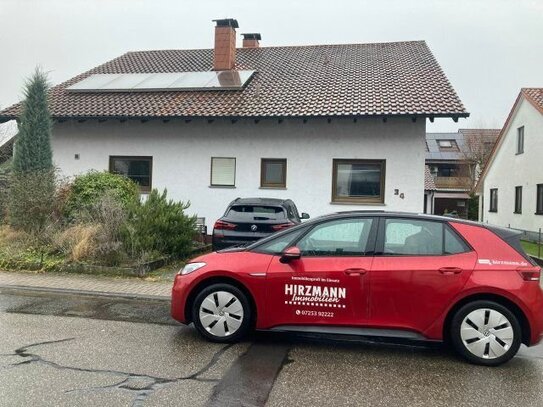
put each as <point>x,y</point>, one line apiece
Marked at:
<point>328,284</point>
<point>419,267</point>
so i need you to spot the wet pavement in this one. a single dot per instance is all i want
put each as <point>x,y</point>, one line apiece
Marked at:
<point>63,350</point>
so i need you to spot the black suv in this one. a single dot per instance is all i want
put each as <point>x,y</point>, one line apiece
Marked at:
<point>248,219</point>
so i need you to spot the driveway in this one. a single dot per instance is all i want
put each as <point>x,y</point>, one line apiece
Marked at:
<point>63,350</point>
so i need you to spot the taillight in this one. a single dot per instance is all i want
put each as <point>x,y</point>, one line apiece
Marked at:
<point>222,225</point>
<point>531,274</point>
<point>282,226</point>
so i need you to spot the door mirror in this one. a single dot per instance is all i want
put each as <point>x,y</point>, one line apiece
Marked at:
<point>292,253</point>
<point>305,215</point>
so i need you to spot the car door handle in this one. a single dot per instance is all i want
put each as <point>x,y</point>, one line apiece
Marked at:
<point>450,270</point>
<point>355,271</point>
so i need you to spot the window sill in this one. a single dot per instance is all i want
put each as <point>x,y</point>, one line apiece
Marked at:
<point>538,213</point>
<point>522,152</point>
<point>491,211</point>
<point>517,213</point>
<point>284,188</point>
<point>358,203</point>
<point>223,186</point>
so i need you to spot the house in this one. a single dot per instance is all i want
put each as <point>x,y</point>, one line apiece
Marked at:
<point>332,127</point>
<point>453,164</point>
<point>511,185</point>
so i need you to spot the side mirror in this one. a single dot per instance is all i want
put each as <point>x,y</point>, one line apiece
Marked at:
<point>305,215</point>
<point>292,253</point>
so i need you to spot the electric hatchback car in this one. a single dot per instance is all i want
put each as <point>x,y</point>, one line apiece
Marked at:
<point>400,275</point>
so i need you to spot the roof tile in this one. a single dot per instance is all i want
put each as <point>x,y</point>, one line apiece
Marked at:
<point>399,78</point>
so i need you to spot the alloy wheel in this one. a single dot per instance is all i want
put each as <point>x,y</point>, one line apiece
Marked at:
<point>487,333</point>
<point>221,313</point>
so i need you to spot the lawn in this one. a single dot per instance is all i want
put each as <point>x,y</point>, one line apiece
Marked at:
<point>531,248</point>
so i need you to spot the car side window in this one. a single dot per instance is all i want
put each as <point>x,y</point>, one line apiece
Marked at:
<point>344,237</point>
<point>413,237</point>
<point>277,245</point>
<point>453,244</point>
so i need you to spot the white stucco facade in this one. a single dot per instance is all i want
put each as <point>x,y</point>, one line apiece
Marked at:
<point>507,170</point>
<point>182,154</point>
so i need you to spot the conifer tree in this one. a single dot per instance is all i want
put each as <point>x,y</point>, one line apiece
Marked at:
<point>32,184</point>
<point>33,146</point>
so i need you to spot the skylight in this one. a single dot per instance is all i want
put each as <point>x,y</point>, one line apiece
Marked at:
<point>163,82</point>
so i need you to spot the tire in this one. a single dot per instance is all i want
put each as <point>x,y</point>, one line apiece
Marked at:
<point>474,335</point>
<point>222,313</point>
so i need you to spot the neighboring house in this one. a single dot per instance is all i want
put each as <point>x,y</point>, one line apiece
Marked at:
<point>453,164</point>
<point>332,127</point>
<point>512,183</point>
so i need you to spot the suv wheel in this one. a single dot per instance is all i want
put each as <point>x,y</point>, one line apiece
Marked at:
<point>221,313</point>
<point>485,333</point>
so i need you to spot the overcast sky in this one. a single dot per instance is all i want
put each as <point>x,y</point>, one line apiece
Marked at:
<point>488,49</point>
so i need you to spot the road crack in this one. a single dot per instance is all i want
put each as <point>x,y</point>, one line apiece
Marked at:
<point>140,385</point>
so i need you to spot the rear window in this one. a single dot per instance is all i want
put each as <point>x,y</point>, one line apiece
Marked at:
<point>256,212</point>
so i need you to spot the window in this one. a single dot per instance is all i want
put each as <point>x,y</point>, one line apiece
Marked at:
<point>223,172</point>
<point>273,173</point>
<point>345,237</point>
<point>138,169</point>
<point>520,140</point>
<point>250,213</point>
<point>453,244</point>
<point>279,244</point>
<point>358,181</point>
<point>412,237</point>
<point>539,203</point>
<point>493,200</point>
<point>518,199</point>
<point>447,145</point>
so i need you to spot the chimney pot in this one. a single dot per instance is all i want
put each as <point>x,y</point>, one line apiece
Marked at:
<point>251,40</point>
<point>224,54</point>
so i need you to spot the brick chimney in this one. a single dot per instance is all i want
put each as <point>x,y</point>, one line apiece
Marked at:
<point>224,55</point>
<point>251,40</point>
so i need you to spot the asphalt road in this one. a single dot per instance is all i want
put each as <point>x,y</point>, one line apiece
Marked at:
<point>65,350</point>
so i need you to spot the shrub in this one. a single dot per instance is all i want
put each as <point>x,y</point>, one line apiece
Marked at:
<point>86,190</point>
<point>31,200</point>
<point>159,226</point>
<point>96,234</point>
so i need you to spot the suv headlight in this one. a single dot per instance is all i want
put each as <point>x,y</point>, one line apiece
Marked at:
<point>189,268</point>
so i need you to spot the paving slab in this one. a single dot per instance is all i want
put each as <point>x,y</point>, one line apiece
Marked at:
<point>86,283</point>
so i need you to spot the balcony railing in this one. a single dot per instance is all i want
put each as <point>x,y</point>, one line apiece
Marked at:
<point>452,182</point>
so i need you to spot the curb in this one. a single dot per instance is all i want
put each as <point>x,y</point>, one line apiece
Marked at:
<point>68,291</point>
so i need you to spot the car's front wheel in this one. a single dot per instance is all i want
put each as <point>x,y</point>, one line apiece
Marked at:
<point>221,313</point>
<point>485,333</point>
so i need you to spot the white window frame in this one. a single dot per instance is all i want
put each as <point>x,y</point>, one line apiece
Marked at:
<point>216,179</point>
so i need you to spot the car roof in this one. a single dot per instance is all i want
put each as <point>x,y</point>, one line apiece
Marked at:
<point>398,214</point>
<point>259,201</point>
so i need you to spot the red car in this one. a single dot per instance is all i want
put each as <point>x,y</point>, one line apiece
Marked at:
<point>372,274</point>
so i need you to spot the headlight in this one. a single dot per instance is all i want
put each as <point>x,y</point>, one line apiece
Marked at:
<point>189,268</point>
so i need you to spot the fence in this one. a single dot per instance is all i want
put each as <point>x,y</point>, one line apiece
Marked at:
<point>532,242</point>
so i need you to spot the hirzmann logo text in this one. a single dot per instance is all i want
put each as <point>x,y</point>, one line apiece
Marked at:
<point>315,293</point>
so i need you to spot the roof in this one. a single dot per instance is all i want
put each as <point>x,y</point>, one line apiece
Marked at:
<point>429,184</point>
<point>397,78</point>
<point>532,95</point>
<point>258,201</point>
<point>470,142</point>
<point>535,96</point>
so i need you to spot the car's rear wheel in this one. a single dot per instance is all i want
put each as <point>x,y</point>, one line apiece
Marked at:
<point>221,313</point>
<point>485,333</point>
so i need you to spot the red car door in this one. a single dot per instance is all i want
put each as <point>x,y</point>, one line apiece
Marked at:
<point>327,285</point>
<point>419,267</point>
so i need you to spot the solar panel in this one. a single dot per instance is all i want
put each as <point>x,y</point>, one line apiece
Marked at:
<point>156,82</point>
